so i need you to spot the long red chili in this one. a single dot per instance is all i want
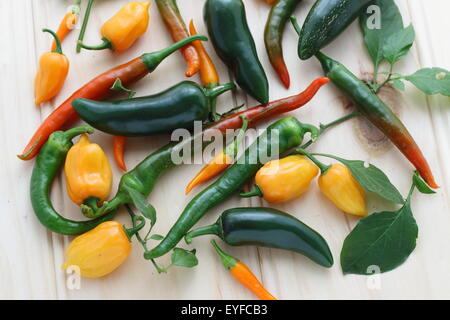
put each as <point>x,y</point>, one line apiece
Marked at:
<point>98,89</point>
<point>177,28</point>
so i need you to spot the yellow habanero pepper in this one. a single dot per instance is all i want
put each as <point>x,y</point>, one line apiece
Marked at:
<point>52,72</point>
<point>338,184</point>
<point>88,173</point>
<point>285,179</point>
<point>99,251</point>
<point>122,30</point>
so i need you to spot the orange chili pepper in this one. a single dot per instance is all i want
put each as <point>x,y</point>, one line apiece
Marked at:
<point>52,72</point>
<point>271,1</point>
<point>68,23</point>
<point>221,161</point>
<point>208,72</point>
<point>119,151</point>
<point>242,273</point>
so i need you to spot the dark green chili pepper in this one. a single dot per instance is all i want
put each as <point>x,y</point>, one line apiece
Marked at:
<point>374,109</point>
<point>287,133</point>
<point>326,20</point>
<point>176,107</point>
<point>273,36</point>
<point>267,227</point>
<point>48,164</point>
<point>231,37</point>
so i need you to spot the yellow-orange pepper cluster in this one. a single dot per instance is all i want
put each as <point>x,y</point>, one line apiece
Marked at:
<point>288,178</point>
<point>100,251</point>
<point>87,170</point>
<point>128,24</point>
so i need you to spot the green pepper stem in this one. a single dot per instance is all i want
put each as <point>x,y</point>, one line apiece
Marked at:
<point>255,192</point>
<point>323,167</point>
<point>58,48</point>
<point>118,86</point>
<point>72,133</point>
<point>106,44</point>
<point>130,232</point>
<point>107,206</point>
<point>228,261</point>
<point>295,25</point>
<point>84,25</point>
<point>233,148</point>
<point>152,60</point>
<point>214,229</point>
<point>92,202</point>
<point>216,91</point>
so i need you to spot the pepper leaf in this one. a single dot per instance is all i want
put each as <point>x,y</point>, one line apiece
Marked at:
<point>398,44</point>
<point>156,237</point>
<point>391,23</point>
<point>398,84</point>
<point>183,258</point>
<point>383,240</point>
<point>421,185</point>
<point>431,81</point>
<point>146,209</point>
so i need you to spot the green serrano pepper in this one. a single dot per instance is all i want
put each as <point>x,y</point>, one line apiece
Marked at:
<point>174,108</point>
<point>326,20</point>
<point>48,163</point>
<point>231,37</point>
<point>267,227</point>
<point>287,133</point>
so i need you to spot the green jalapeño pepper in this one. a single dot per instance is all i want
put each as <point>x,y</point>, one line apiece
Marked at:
<point>287,133</point>
<point>374,109</point>
<point>48,164</point>
<point>266,227</point>
<point>273,36</point>
<point>231,37</point>
<point>176,107</point>
<point>326,20</point>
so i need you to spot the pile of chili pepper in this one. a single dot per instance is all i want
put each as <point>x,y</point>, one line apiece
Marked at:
<point>102,244</point>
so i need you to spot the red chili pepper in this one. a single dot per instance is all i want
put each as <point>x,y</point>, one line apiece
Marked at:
<point>177,28</point>
<point>98,89</point>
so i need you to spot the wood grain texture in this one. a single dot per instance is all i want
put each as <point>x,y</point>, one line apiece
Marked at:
<point>31,255</point>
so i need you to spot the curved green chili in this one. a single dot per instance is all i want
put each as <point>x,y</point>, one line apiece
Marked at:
<point>267,227</point>
<point>48,164</point>
<point>287,133</point>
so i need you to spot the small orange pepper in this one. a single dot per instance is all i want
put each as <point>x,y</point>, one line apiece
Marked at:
<point>68,22</point>
<point>88,173</point>
<point>284,179</point>
<point>124,28</point>
<point>52,73</point>
<point>243,274</point>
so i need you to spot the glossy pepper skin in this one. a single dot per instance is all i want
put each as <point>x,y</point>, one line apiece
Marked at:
<point>338,184</point>
<point>270,228</point>
<point>88,173</point>
<point>229,32</point>
<point>374,109</point>
<point>174,108</point>
<point>98,89</point>
<point>273,36</point>
<point>326,20</point>
<point>145,175</point>
<point>288,133</point>
<point>285,179</point>
<point>243,274</point>
<point>177,28</point>
<point>48,163</point>
<point>52,73</point>
<point>100,251</point>
<point>121,31</point>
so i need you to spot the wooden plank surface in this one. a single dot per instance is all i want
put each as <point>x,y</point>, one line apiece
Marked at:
<point>31,255</point>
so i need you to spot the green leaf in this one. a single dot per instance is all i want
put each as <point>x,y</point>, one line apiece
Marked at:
<point>431,81</point>
<point>421,185</point>
<point>398,84</point>
<point>398,44</point>
<point>184,258</point>
<point>156,237</point>
<point>146,209</point>
<point>384,240</point>
<point>391,23</point>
